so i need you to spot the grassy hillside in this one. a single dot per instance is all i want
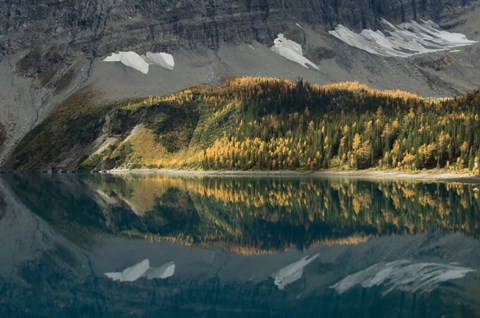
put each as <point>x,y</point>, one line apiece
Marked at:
<point>259,124</point>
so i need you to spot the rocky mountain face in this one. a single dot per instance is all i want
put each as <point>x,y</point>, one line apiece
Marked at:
<point>99,26</point>
<point>50,49</point>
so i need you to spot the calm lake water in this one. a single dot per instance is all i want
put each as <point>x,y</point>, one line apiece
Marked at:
<point>155,246</point>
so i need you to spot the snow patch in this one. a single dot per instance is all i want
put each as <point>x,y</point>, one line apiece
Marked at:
<point>141,63</point>
<point>114,57</point>
<point>292,272</point>
<point>130,59</point>
<point>143,269</point>
<point>292,51</point>
<point>161,59</point>
<point>402,275</point>
<point>403,40</point>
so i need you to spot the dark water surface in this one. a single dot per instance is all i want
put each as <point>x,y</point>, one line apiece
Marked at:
<point>155,246</point>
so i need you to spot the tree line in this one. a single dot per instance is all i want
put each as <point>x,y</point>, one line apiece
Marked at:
<point>284,125</point>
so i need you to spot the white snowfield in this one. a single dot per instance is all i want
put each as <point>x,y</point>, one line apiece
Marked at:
<point>141,63</point>
<point>402,275</point>
<point>404,40</point>
<point>161,59</point>
<point>292,272</point>
<point>143,269</point>
<point>292,51</point>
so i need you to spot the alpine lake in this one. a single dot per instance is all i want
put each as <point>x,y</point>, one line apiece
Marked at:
<point>98,245</point>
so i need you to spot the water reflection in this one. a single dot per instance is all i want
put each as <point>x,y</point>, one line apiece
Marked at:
<point>103,246</point>
<point>250,216</point>
<point>292,272</point>
<point>143,269</point>
<point>403,275</point>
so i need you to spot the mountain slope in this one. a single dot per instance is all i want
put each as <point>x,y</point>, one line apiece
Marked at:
<point>54,49</point>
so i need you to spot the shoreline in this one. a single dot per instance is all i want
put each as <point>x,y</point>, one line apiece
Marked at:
<point>431,175</point>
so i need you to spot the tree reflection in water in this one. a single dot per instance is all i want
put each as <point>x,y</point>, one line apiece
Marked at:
<point>249,215</point>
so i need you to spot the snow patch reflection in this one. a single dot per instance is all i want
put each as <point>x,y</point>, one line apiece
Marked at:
<point>402,275</point>
<point>143,269</point>
<point>162,272</point>
<point>292,272</point>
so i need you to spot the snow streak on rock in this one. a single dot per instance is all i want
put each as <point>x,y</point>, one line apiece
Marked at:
<point>404,40</point>
<point>292,51</point>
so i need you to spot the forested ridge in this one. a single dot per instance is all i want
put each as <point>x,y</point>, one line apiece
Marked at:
<point>266,124</point>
